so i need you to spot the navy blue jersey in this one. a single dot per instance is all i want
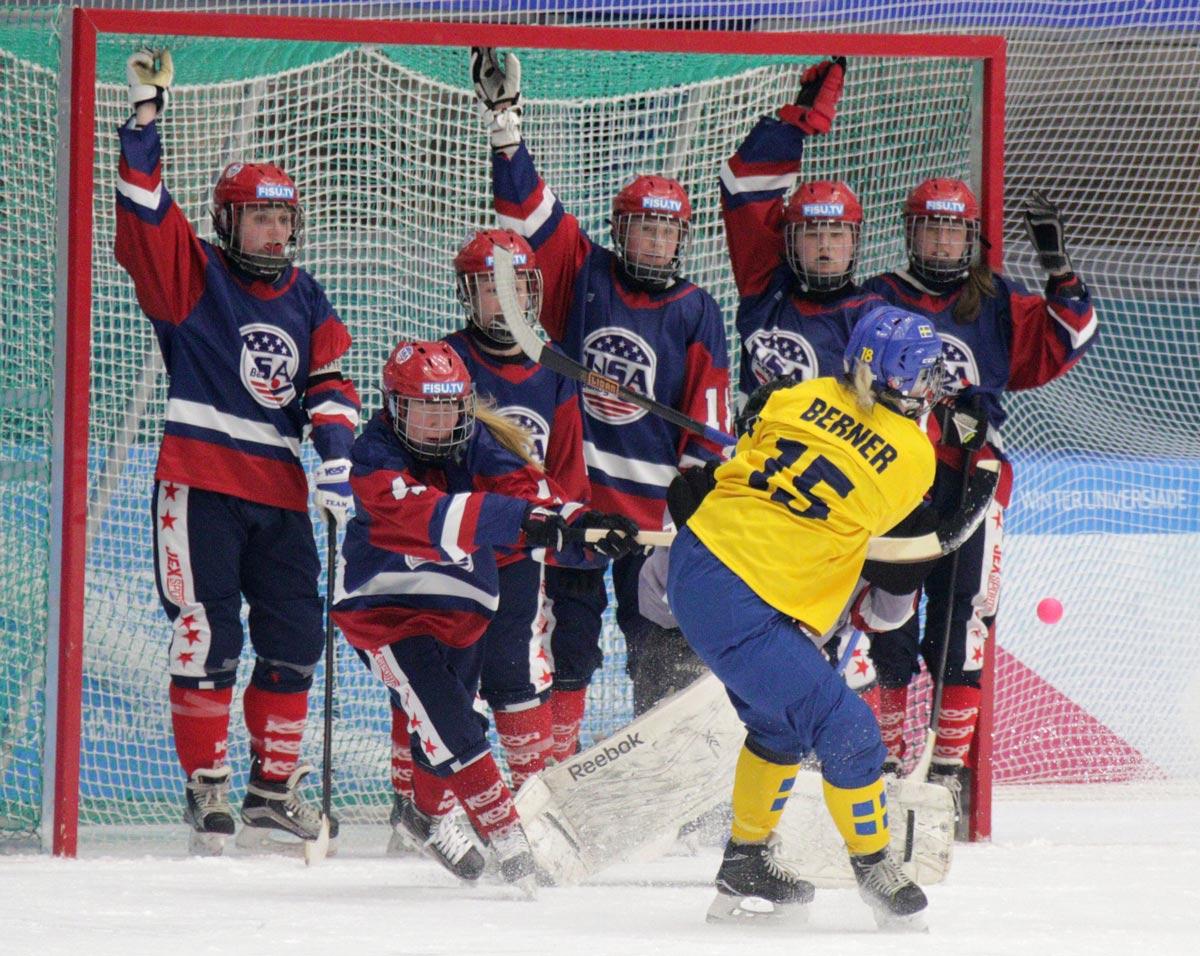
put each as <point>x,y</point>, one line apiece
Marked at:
<point>669,345</point>
<point>783,329</point>
<point>239,353</point>
<point>420,554</point>
<point>536,399</point>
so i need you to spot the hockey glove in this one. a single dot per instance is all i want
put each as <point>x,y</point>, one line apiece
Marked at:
<point>622,533</point>
<point>150,73</point>
<point>333,496</point>
<point>687,490</point>
<point>498,92</point>
<point>820,89</point>
<point>754,404</point>
<point>1044,225</point>
<point>964,424</point>
<point>544,528</point>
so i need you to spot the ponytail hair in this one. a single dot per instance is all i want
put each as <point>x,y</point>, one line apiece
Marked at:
<point>514,437</point>
<point>978,285</point>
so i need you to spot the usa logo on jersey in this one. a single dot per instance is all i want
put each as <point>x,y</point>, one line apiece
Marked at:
<point>960,364</point>
<point>778,352</point>
<point>270,361</point>
<point>532,422</point>
<point>626,358</point>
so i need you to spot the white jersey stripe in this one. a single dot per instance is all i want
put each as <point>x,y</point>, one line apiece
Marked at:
<point>754,184</point>
<point>535,220</point>
<point>139,196</point>
<point>200,415</point>
<point>629,469</point>
<point>424,582</point>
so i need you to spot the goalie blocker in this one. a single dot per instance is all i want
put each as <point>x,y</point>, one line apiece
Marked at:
<point>626,797</point>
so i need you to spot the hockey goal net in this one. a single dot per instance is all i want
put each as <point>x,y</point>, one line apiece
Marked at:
<point>383,139</point>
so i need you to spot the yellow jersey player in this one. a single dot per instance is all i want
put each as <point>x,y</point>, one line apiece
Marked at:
<point>767,563</point>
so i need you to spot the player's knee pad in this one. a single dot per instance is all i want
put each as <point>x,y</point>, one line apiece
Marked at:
<point>280,677</point>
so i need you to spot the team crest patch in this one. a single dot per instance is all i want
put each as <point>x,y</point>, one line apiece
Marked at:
<point>270,361</point>
<point>960,364</point>
<point>778,352</point>
<point>535,424</point>
<point>624,357</point>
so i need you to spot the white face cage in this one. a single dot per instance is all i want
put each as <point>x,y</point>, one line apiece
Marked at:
<point>656,263</point>
<point>477,293</point>
<point>259,264</point>
<point>931,264</point>
<point>433,429</point>
<point>920,396</point>
<point>818,275</point>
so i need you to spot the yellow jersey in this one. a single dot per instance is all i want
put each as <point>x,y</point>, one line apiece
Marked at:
<point>814,479</point>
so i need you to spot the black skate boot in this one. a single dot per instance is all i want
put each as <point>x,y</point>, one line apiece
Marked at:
<point>440,838</point>
<point>753,884</point>
<point>895,900</point>
<point>515,859</point>
<point>208,811</point>
<point>274,815</point>
<point>957,779</point>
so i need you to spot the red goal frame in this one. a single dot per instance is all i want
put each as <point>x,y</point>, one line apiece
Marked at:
<point>75,285</point>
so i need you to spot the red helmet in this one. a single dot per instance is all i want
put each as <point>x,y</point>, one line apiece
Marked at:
<point>652,199</point>
<point>429,399</point>
<point>474,269</point>
<point>244,186</point>
<point>815,208</point>
<point>934,203</point>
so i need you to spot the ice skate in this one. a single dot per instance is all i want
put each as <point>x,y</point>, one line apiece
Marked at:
<point>400,843</point>
<point>753,884</point>
<point>957,779</point>
<point>441,838</point>
<point>515,859</point>
<point>208,811</point>
<point>275,817</point>
<point>895,900</point>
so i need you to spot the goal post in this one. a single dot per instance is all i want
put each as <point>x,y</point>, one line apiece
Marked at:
<point>376,122</point>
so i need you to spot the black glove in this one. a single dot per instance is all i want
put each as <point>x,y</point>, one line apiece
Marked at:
<point>1044,225</point>
<point>965,423</point>
<point>687,490</point>
<point>622,533</point>
<point>754,404</point>
<point>544,527</point>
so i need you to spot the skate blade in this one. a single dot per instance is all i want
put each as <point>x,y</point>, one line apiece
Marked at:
<point>206,844</point>
<point>266,840</point>
<point>889,922</point>
<point>401,844</point>
<point>745,909</point>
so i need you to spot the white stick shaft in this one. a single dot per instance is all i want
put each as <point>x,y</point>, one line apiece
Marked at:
<point>896,550</point>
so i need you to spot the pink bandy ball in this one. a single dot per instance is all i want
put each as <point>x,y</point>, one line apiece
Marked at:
<point>1050,610</point>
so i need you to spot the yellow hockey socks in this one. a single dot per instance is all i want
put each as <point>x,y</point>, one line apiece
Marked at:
<point>760,792</point>
<point>860,816</point>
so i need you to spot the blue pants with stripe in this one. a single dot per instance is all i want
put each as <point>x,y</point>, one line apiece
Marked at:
<point>783,688</point>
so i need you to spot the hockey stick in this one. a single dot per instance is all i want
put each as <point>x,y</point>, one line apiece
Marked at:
<point>977,497</point>
<point>920,771</point>
<point>538,351</point>
<point>316,850</point>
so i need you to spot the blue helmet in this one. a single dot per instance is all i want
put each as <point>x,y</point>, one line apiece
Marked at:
<point>904,353</point>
